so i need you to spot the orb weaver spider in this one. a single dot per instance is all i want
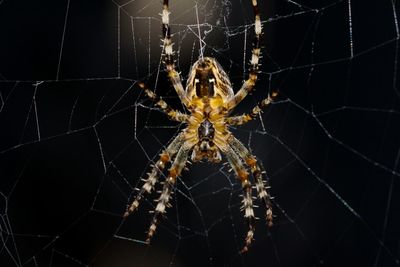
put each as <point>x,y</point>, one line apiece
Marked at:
<point>210,99</point>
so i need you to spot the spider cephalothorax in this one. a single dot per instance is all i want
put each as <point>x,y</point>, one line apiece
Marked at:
<point>210,99</point>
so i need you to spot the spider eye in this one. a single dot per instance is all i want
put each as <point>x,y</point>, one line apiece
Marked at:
<point>211,87</point>
<point>196,81</point>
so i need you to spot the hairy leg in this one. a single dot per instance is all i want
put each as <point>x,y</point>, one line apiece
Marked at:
<point>163,106</point>
<point>247,201</point>
<point>249,84</point>
<point>242,119</point>
<point>155,172</point>
<point>173,75</point>
<point>251,161</point>
<point>174,172</point>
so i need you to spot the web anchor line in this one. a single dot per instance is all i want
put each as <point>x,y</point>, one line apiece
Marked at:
<point>199,33</point>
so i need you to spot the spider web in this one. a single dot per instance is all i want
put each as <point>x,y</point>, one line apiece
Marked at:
<point>77,135</point>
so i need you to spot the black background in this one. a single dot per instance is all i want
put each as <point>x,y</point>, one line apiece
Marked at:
<point>76,134</point>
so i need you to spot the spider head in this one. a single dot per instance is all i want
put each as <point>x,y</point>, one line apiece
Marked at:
<point>207,79</point>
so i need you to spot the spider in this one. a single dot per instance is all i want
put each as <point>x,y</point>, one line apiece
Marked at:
<point>210,99</point>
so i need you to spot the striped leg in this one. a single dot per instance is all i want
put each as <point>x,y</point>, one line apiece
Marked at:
<point>169,56</point>
<point>163,200</point>
<point>155,172</point>
<point>249,84</point>
<point>247,201</point>
<point>163,106</point>
<point>242,119</point>
<point>251,161</point>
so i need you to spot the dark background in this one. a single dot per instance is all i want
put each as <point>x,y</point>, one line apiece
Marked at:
<point>76,135</point>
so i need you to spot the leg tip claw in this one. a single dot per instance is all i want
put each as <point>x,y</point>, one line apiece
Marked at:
<point>249,239</point>
<point>269,217</point>
<point>244,250</point>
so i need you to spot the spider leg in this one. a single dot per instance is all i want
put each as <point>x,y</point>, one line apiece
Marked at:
<point>173,75</point>
<point>249,84</point>
<point>251,161</point>
<point>163,106</point>
<point>244,118</point>
<point>174,172</point>
<point>241,172</point>
<point>155,172</point>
